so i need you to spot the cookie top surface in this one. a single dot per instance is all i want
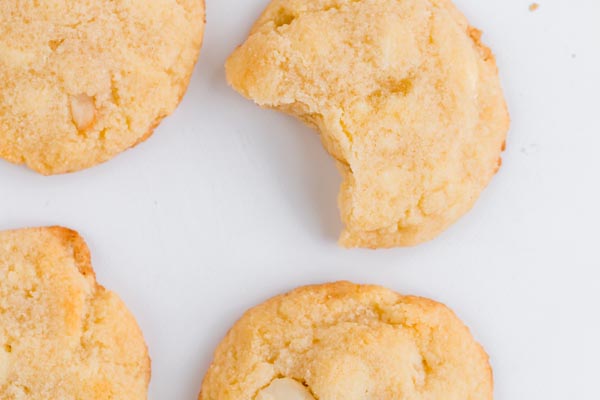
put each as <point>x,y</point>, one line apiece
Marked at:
<point>347,341</point>
<point>83,80</point>
<point>406,98</point>
<point>62,336</point>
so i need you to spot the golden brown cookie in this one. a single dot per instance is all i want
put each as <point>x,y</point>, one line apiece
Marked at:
<point>406,97</point>
<point>351,342</point>
<point>83,80</point>
<point>63,336</point>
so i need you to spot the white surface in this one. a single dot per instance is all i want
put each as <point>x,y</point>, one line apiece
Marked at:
<point>227,205</point>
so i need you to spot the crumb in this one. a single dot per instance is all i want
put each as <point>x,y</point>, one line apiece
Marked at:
<point>530,149</point>
<point>533,6</point>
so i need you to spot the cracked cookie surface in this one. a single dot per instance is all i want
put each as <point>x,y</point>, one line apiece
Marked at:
<point>352,342</point>
<point>82,81</point>
<point>406,98</point>
<point>63,336</point>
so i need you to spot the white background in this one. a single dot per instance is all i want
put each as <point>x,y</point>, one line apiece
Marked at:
<point>228,205</point>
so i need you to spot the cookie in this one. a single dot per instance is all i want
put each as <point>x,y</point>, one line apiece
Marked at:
<point>347,341</point>
<point>63,336</point>
<point>83,80</point>
<point>405,96</point>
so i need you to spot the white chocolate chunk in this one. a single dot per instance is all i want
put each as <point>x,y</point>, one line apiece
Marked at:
<point>284,389</point>
<point>83,111</point>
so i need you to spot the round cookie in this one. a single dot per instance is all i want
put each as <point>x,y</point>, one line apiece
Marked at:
<point>83,80</point>
<point>352,342</point>
<point>406,98</point>
<point>63,336</point>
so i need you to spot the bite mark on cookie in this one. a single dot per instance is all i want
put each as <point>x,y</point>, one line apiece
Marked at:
<point>406,98</point>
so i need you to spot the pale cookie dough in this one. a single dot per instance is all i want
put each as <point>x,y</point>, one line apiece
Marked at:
<point>351,342</point>
<point>406,97</point>
<point>63,336</point>
<point>83,80</point>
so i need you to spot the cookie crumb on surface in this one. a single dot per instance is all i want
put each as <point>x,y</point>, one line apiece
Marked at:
<point>533,7</point>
